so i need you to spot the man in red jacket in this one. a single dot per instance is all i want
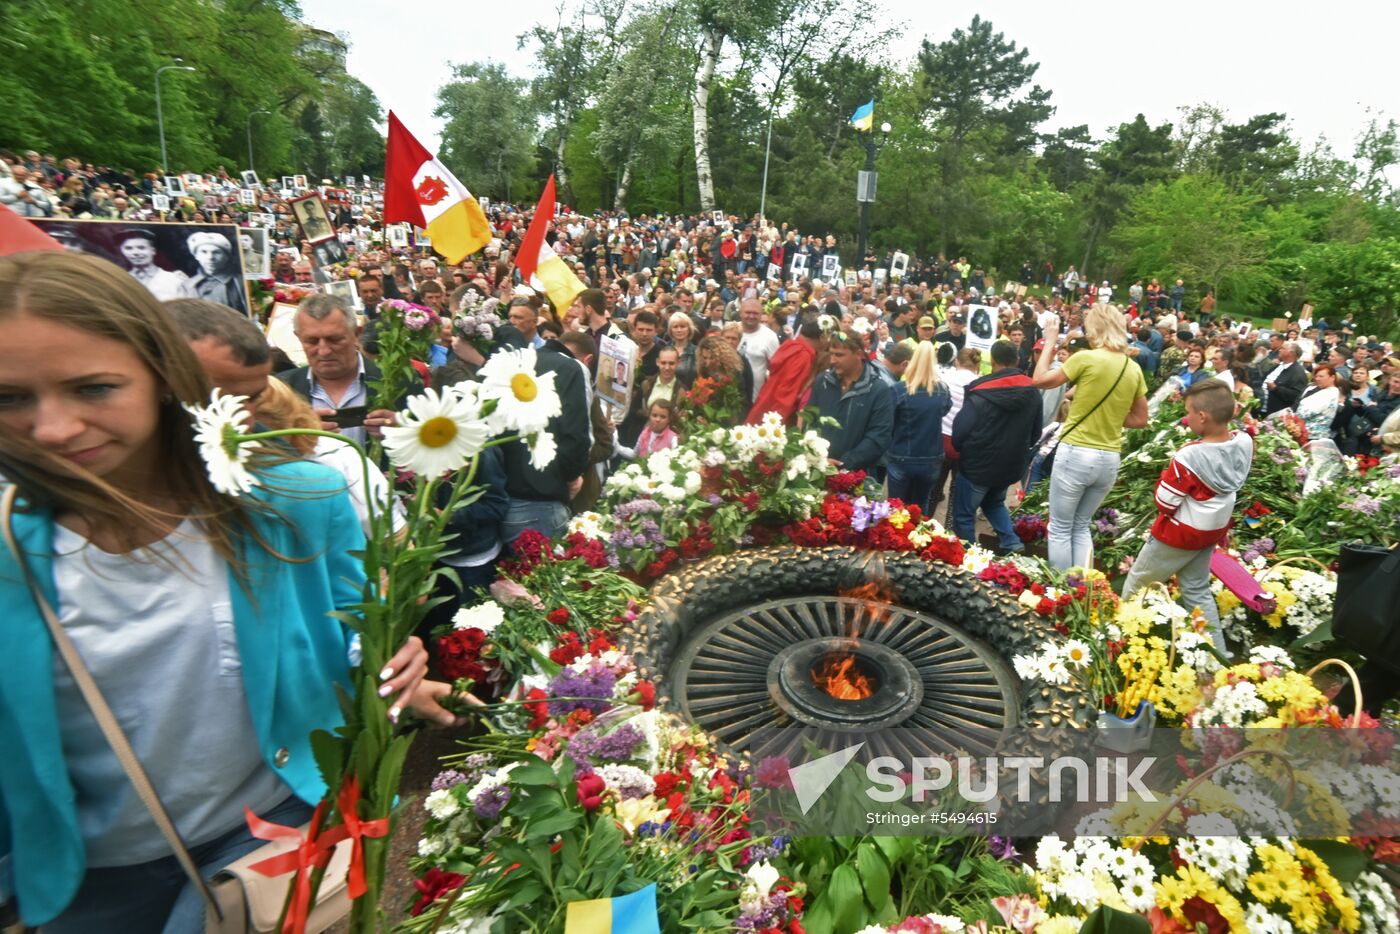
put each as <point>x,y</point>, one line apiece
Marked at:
<point>789,375</point>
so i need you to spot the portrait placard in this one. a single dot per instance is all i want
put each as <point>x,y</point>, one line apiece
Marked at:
<point>247,196</point>
<point>160,203</point>
<point>617,371</point>
<point>288,182</point>
<point>299,182</point>
<point>775,272</point>
<point>851,278</point>
<point>170,260</point>
<point>175,186</point>
<point>982,326</point>
<point>263,220</point>
<point>345,290</point>
<point>329,253</point>
<point>899,265</point>
<point>398,236</point>
<point>253,242</point>
<point>799,265</point>
<point>250,179</point>
<point>310,212</point>
<point>831,266</point>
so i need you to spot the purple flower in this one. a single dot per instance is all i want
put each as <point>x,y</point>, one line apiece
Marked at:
<point>588,747</point>
<point>448,779</point>
<point>595,685</point>
<point>714,499</point>
<point>1393,471</point>
<point>1106,522</point>
<point>635,507</point>
<point>860,514</point>
<point>1366,504</point>
<point>1280,455</point>
<point>880,511</point>
<point>1258,549</point>
<point>1300,474</point>
<point>1001,847</point>
<point>489,803</point>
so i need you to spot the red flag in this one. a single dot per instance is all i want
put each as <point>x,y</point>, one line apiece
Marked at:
<point>418,189</point>
<point>527,258</point>
<point>18,235</point>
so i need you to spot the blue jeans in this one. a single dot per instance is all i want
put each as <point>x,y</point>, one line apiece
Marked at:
<point>544,516</point>
<point>157,897</point>
<point>968,497</point>
<point>1081,479</point>
<point>912,481</point>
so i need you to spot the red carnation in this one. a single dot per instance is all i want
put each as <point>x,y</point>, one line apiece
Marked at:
<point>590,789</point>
<point>538,707</point>
<point>434,884</point>
<point>648,692</point>
<point>666,783</point>
<point>559,616</point>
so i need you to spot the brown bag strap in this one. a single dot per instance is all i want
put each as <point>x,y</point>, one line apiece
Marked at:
<point>111,730</point>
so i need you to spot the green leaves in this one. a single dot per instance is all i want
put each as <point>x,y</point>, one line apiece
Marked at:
<point>1107,920</point>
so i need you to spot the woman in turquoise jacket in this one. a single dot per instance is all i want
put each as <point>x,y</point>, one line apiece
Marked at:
<point>204,618</point>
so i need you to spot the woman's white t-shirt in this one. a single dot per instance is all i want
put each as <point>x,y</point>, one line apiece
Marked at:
<point>159,640</point>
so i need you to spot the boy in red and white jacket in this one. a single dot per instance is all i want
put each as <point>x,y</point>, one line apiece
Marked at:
<point>1195,498</point>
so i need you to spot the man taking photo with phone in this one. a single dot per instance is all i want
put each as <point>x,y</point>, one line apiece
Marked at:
<point>337,375</point>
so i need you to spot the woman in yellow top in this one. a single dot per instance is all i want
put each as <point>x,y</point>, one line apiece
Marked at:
<point>1110,395</point>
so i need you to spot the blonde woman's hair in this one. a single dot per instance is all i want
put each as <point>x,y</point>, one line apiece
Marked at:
<point>1105,328</point>
<point>280,407</point>
<point>922,372</point>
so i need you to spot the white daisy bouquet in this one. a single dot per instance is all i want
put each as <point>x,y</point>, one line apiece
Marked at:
<point>438,440</point>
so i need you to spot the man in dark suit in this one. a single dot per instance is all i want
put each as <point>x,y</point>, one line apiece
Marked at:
<point>539,499</point>
<point>1284,385</point>
<point>338,374</point>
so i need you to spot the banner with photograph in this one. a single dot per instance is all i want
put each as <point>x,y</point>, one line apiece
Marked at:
<point>310,212</point>
<point>170,260</point>
<point>617,370</point>
<point>982,326</point>
<point>257,259</point>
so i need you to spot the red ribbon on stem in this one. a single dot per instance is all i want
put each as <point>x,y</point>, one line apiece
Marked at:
<point>355,829</point>
<point>309,853</point>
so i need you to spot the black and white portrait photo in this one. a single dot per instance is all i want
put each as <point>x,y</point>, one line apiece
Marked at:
<point>252,242</point>
<point>311,215</point>
<point>329,253</point>
<point>170,260</point>
<point>175,186</point>
<point>250,178</point>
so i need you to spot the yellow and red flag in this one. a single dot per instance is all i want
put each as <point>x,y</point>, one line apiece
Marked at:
<point>539,264</point>
<point>418,189</point>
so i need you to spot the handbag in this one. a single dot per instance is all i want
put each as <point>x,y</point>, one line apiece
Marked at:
<point>238,899</point>
<point>1366,612</point>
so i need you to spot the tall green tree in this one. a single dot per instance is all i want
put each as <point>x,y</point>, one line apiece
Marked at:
<point>978,93</point>
<point>488,138</point>
<point>1137,155</point>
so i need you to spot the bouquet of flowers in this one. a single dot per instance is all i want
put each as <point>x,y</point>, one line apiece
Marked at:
<point>405,331</point>
<point>477,321</point>
<point>438,439</point>
<point>1303,603</point>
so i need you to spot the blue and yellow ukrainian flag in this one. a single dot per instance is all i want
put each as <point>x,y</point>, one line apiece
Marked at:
<point>625,914</point>
<point>864,117</point>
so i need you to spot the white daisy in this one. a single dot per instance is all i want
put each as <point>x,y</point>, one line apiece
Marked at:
<point>1076,653</point>
<point>218,427</point>
<point>542,450</point>
<point>437,434</point>
<point>525,401</point>
<point>485,616</point>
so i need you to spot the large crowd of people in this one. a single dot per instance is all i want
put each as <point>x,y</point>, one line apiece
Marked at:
<point>922,373</point>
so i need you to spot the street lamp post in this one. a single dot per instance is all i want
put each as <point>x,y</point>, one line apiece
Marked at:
<point>865,188</point>
<point>250,137</point>
<point>767,147</point>
<point>160,114</point>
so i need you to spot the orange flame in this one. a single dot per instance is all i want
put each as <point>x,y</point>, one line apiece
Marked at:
<point>838,676</point>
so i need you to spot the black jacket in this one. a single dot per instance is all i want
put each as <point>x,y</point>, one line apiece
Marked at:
<point>569,428</point>
<point>998,425</point>
<point>1288,388</point>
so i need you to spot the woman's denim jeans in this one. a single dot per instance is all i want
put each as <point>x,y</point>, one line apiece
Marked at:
<point>1079,483</point>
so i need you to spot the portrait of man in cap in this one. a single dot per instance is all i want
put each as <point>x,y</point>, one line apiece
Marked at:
<point>219,279</point>
<point>138,248</point>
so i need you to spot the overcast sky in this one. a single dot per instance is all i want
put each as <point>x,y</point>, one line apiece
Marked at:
<point>1322,63</point>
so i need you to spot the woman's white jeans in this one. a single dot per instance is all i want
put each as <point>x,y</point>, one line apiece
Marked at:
<point>1079,482</point>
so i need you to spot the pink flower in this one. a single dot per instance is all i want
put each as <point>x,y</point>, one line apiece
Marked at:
<point>509,593</point>
<point>1020,912</point>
